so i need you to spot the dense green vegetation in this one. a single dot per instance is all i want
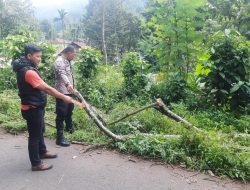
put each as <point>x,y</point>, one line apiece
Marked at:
<point>195,56</point>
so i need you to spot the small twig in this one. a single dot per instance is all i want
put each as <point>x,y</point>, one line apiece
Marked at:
<point>158,164</point>
<point>93,147</point>
<point>79,143</point>
<point>171,166</point>
<point>132,160</point>
<point>195,174</point>
<point>209,179</point>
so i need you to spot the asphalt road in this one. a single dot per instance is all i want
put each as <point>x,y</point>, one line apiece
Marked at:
<point>97,170</point>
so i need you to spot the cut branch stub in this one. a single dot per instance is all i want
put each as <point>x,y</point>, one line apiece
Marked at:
<point>166,111</point>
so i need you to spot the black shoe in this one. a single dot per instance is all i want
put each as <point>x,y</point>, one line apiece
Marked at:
<point>62,142</point>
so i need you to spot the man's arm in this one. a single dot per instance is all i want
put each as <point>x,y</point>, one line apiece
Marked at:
<point>53,92</point>
<point>35,81</point>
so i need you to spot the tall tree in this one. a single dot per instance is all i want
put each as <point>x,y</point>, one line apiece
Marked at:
<point>62,14</point>
<point>170,30</point>
<point>233,14</point>
<point>110,28</point>
<point>46,28</point>
<point>15,15</point>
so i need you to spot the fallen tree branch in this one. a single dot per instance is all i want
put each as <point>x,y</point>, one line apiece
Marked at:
<point>96,111</point>
<point>164,110</point>
<point>93,109</point>
<point>92,115</point>
<point>152,135</point>
<point>158,105</point>
<point>161,107</point>
<point>133,113</point>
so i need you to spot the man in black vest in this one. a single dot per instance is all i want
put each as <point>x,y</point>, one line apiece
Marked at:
<point>33,93</point>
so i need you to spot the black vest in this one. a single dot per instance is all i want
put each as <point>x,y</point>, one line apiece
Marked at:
<point>28,94</point>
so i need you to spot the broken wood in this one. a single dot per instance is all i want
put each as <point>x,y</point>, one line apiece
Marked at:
<point>93,147</point>
<point>92,115</point>
<point>166,111</point>
<point>93,109</point>
<point>97,112</point>
<point>159,105</point>
<point>79,143</point>
<point>133,113</point>
<point>151,135</point>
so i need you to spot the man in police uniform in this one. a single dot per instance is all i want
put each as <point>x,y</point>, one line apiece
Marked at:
<point>64,83</point>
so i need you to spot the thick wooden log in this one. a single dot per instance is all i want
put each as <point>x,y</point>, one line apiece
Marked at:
<point>92,115</point>
<point>97,112</point>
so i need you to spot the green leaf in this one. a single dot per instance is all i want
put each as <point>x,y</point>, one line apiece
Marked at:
<point>212,50</point>
<point>227,32</point>
<point>236,87</point>
<point>224,91</point>
<point>214,90</point>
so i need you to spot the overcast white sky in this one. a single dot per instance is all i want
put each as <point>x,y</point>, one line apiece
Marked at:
<point>46,9</point>
<point>39,3</point>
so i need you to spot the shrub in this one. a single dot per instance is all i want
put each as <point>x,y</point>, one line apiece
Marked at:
<point>7,79</point>
<point>172,88</point>
<point>46,66</point>
<point>88,61</point>
<point>86,67</point>
<point>13,46</point>
<point>134,72</point>
<point>224,70</point>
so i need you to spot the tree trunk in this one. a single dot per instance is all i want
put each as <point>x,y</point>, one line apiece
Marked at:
<point>103,38</point>
<point>63,33</point>
<point>187,43</point>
